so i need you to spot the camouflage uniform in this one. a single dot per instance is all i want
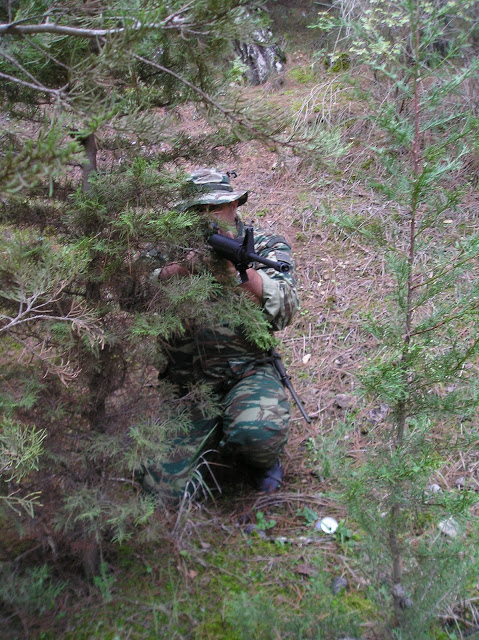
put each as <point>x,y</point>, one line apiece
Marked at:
<point>252,426</point>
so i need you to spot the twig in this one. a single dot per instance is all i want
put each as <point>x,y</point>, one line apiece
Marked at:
<point>230,115</point>
<point>55,92</point>
<point>63,30</point>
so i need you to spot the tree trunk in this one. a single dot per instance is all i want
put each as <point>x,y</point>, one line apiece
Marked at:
<point>89,144</point>
<point>263,58</point>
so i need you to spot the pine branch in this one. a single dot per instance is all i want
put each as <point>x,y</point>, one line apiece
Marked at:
<point>19,66</point>
<point>172,22</point>
<point>229,114</point>
<point>443,322</point>
<point>79,32</point>
<point>35,87</point>
<point>44,52</point>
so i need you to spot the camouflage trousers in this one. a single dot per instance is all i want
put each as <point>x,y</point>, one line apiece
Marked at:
<point>252,429</point>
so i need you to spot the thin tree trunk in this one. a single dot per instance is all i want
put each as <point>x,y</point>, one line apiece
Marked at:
<point>89,144</point>
<point>402,406</point>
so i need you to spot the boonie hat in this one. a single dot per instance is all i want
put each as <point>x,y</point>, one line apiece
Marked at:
<point>209,186</point>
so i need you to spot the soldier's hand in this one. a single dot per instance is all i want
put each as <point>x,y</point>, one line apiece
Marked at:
<point>181,269</point>
<point>173,269</point>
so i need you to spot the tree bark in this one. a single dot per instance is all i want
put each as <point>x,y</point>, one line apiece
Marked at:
<point>89,167</point>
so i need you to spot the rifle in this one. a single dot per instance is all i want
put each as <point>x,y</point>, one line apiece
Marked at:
<point>242,254</point>
<point>286,382</point>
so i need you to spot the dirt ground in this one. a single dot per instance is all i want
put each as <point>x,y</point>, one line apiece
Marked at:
<point>340,280</point>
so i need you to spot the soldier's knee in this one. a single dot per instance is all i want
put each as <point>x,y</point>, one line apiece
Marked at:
<point>258,442</point>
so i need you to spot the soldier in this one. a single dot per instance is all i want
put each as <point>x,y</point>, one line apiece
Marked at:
<point>252,427</point>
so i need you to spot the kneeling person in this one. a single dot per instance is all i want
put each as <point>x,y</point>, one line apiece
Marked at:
<point>252,428</point>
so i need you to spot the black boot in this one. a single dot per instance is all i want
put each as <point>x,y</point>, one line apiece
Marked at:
<point>271,479</point>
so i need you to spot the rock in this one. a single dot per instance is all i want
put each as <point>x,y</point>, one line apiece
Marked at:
<point>338,584</point>
<point>449,527</point>
<point>432,489</point>
<point>307,570</point>
<point>244,519</point>
<point>399,591</point>
<point>378,414</point>
<point>343,401</point>
<point>405,603</point>
<point>327,525</point>
<point>263,58</point>
<point>251,529</point>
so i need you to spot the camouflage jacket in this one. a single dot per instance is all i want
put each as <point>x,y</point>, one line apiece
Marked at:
<point>280,299</point>
<point>220,353</point>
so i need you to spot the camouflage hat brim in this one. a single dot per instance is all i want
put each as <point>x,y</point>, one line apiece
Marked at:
<point>214,198</point>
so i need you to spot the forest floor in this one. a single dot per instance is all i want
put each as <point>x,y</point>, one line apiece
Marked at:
<point>245,565</point>
<point>223,567</point>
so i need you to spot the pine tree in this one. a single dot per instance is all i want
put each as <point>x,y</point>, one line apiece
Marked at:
<point>417,63</point>
<point>80,238</point>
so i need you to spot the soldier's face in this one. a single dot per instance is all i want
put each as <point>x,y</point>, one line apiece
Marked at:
<point>224,213</point>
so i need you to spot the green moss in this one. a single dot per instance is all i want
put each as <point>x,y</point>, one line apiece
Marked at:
<point>337,62</point>
<point>301,75</point>
<point>355,601</point>
<point>367,164</point>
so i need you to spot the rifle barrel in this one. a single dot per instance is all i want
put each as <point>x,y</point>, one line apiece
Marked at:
<point>287,383</point>
<point>282,267</point>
